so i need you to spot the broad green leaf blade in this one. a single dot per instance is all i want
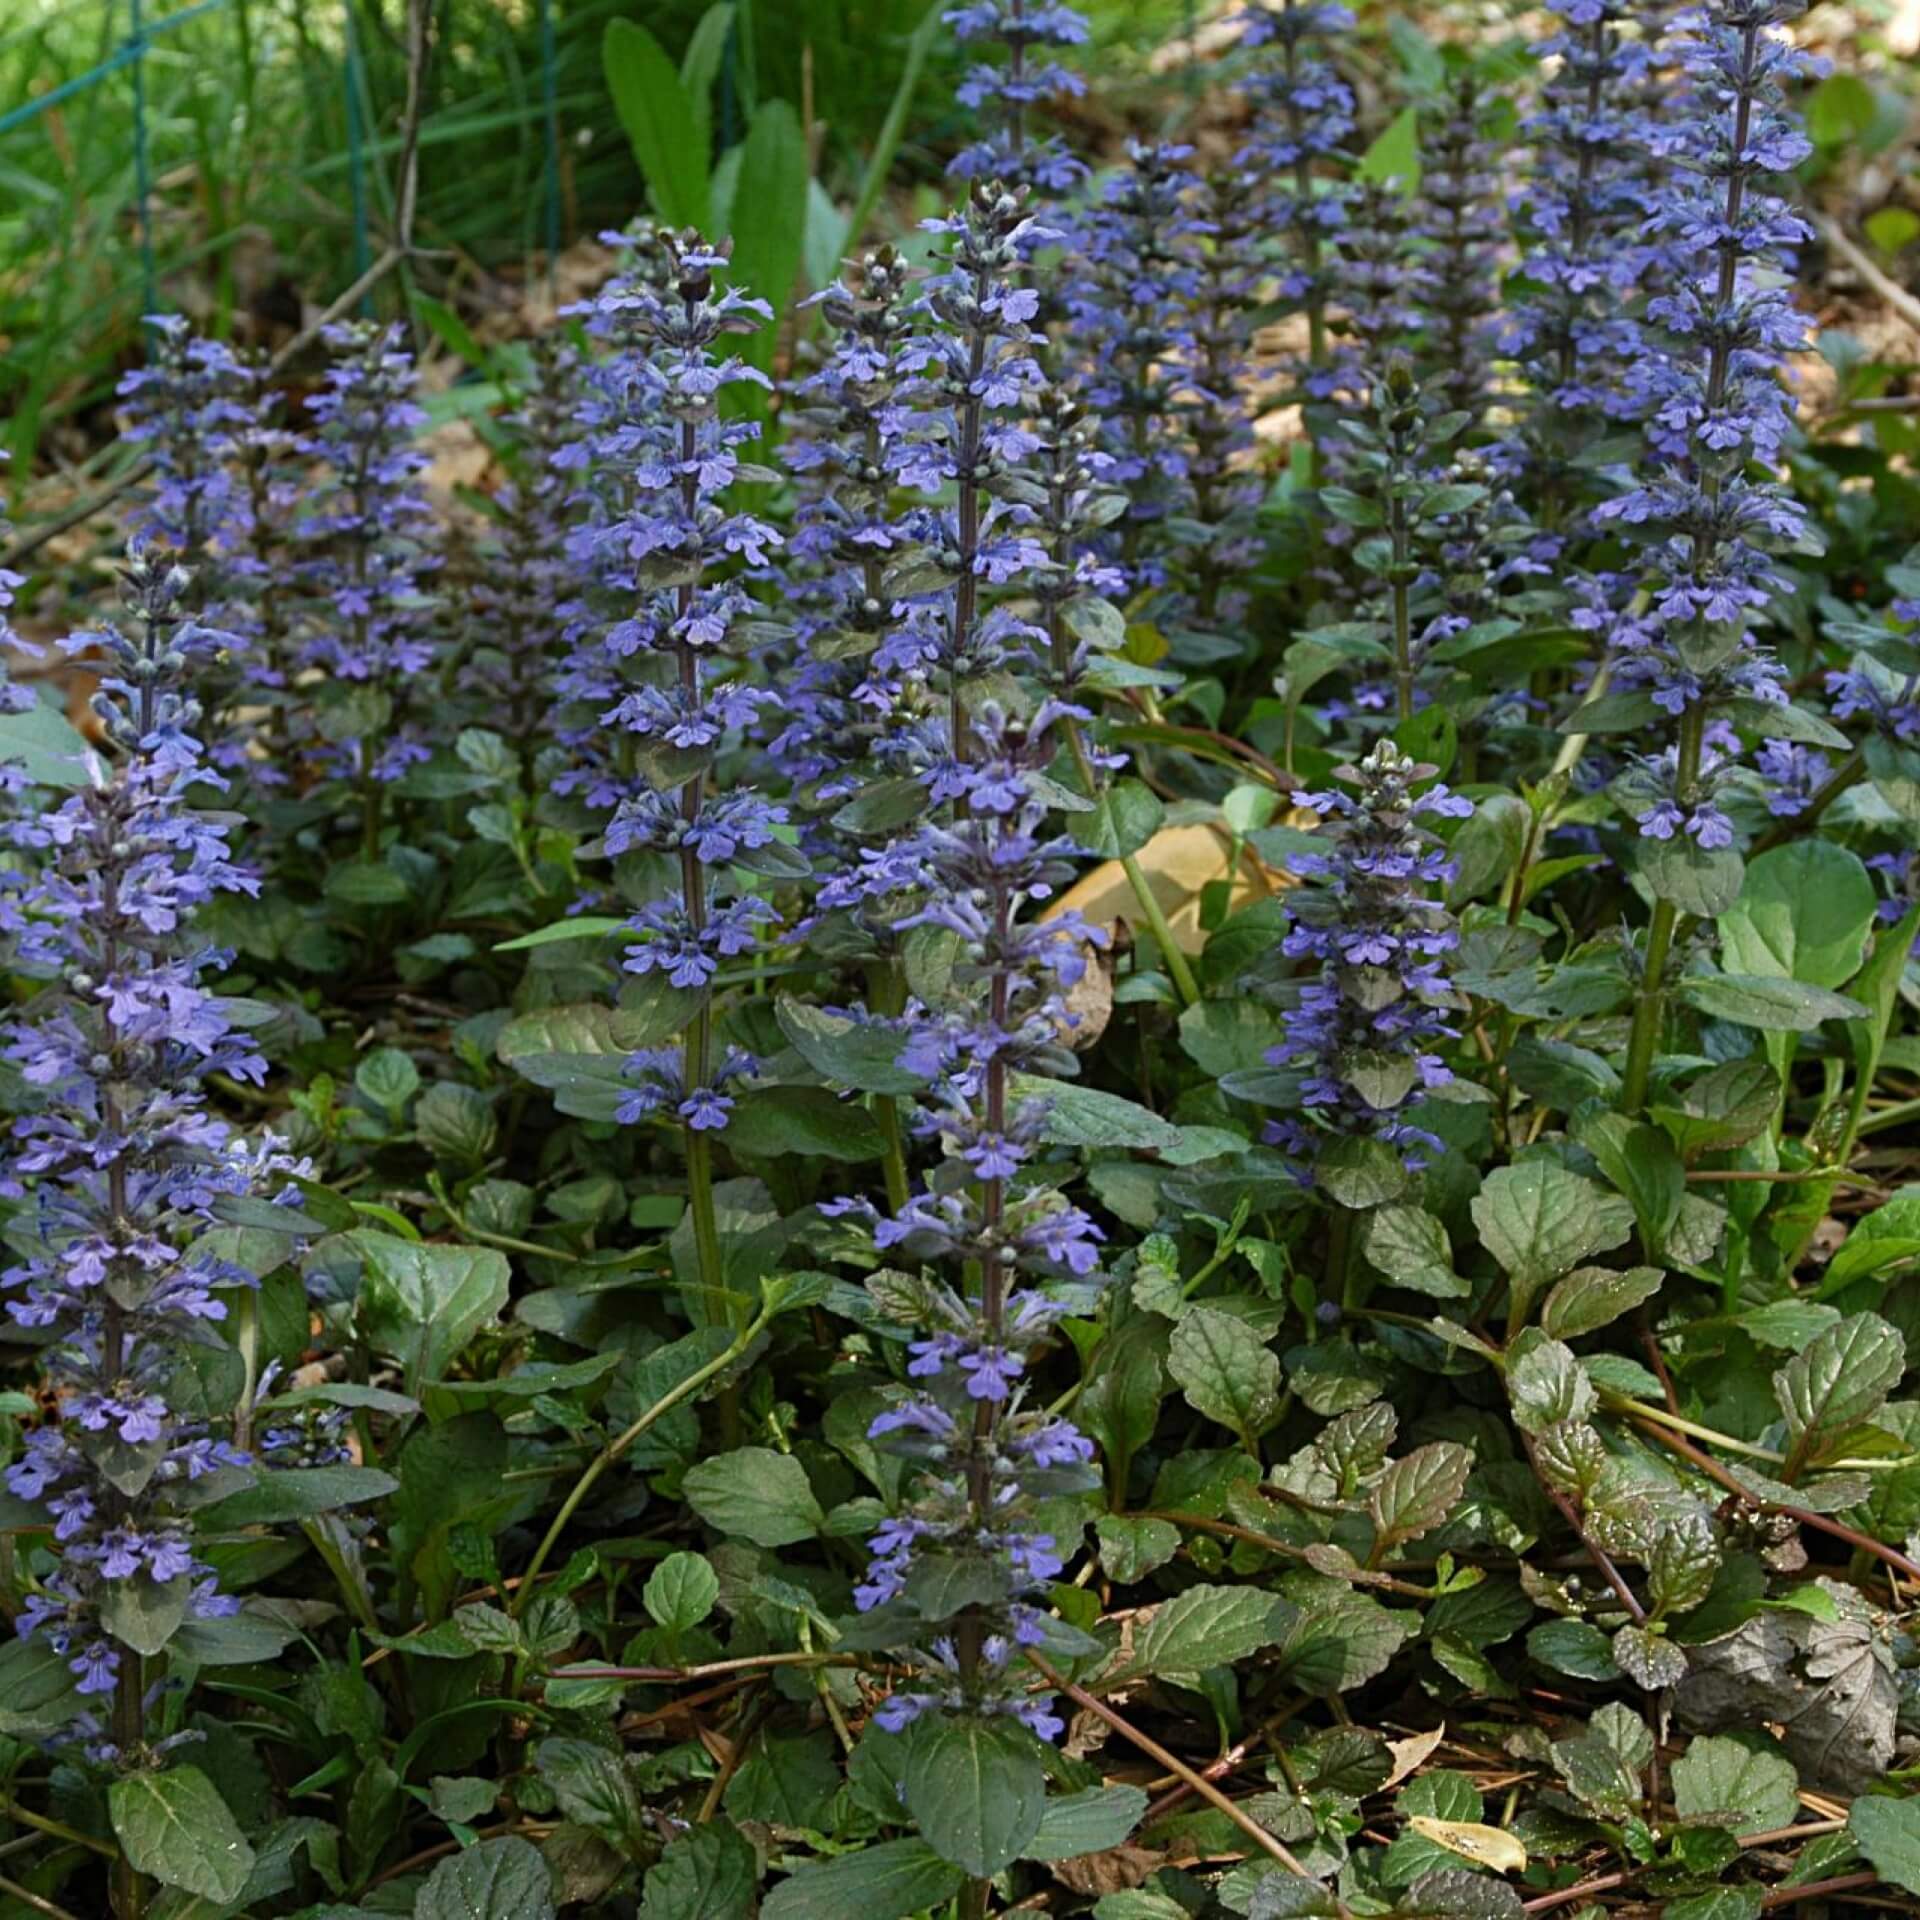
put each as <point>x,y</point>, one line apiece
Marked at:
<point>1727,1782</point>
<point>892,1881</point>
<point>175,1828</point>
<point>1226,1371</point>
<point>1090,1821</point>
<point>45,745</point>
<point>1540,1220</point>
<point>710,1872</point>
<point>1888,1833</point>
<point>660,122</point>
<point>977,1789</point>
<point>756,1493</point>
<point>422,1302</point>
<point>1203,1627</point>
<point>1416,1494</point>
<point>1804,913</point>
<point>503,1879</point>
<point>1840,1380</point>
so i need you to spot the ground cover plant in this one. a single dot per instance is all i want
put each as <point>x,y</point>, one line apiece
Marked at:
<point>1074,1076</point>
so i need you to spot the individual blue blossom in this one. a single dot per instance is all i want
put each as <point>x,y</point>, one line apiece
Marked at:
<point>1005,91</point>
<point>368,538</point>
<point>119,1164</point>
<point>1366,1029</point>
<point>1792,774</point>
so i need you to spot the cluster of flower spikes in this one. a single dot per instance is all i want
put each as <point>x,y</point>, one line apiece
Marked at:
<point>665,541</point>
<point>1030,31</point>
<point>1882,685</point>
<point>1461,226</point>
<point>986,1210</point>
<point>851,704</point>
<point>1303,118</point>
<point>522,578</point>
<point>368,542</point>
<point>973,353</point>
<point>119,1164</point>
<point>13,699</point>
<point>1571,321</point>
<point>1364,1030</point>
<point>1127,293</point>
<point>219,500</point>
<point>620,427</point>
<point>1217,541</point>
<point>1717,410</point>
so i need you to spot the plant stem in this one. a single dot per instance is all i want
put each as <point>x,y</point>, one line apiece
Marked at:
<point>1177,963</point>
<point>610,1454</point>
<point>1154,1750</point>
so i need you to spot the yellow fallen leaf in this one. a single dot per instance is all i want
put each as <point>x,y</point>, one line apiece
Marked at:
<point>1485,1846</point>
<point>1179,864</point>
<point>1410,1753</point>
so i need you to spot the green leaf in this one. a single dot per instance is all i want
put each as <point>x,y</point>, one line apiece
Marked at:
<point>1684,1561</point>
<point>175,1828</point>
<point>769,219</point>
<point>861,1057</point>
<point>1649,1659</point>
<point>1089,1821</point>
<point>143,1613</point>
<point>38,1693</point>
<point>1640,1160</point>
<point>660,123</point>
<point>1892,228</point>
<point>1755,1785</point>
<point>1592,1297</point>
<point>1887,1237</point>
<point>1725,1107</point>
<point>1361,1172</point>
<point>1133,1545</point>
<point>595,1789</point>
<point>1575,1647</point>
<point>1410,1246</point>
<point>1887,1831</point>
<point>422,1302</point>
<point>587,926</point>
<point>1804,913</point>
<point>710,1872</point>
<point>756,1494</point>
<point>770,1122</point>
<point>1201,1628</point>
<point>297,1493</point>
<point>977,1789</point>
<point>1394,157</point>
<point>1416,1494</point>
<point>700,66</point>
<point>1080,1116</point>
<point>681,1591</point>
<point>45,745</point>
<point>1540,1219</point>
<point>1703,881</point>
<point>1547,1384</point>
<point>1773,1006</point>
<point>503,1879</point>
<point>1839,109</point>
<point>892,1881</point>
<point>1841,1379</point>
<point>1226,1371</point>
<point>1125,817</point>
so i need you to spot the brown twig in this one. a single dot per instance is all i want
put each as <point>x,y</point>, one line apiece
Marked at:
<point>1154,1750</point>
<point>1571,1515</point>
<point>1712,1468</point>
<point>1890,290</point>
<point>1821,1889</point>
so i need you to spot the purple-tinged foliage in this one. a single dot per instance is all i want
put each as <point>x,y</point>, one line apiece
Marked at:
<point>368,535</point>
<point>1006,90</point>
<point>120,1163</point>
<point>1366,1030</point>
